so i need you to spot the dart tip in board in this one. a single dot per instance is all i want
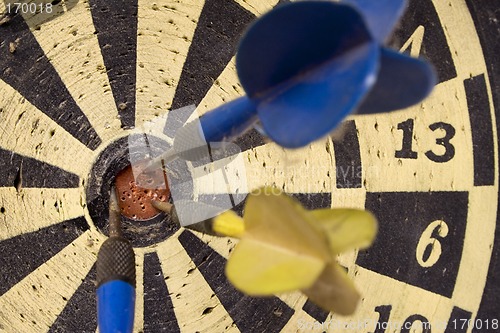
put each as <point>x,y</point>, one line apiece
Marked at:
<point>114,215</point>
<point>135,195</point>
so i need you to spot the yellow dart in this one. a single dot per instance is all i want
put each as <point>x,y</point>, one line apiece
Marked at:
<point>284,247</point>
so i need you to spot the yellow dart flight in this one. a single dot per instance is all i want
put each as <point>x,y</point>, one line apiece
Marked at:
<point>284,247</point>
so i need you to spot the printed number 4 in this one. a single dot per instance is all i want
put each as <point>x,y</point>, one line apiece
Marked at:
<point>406,148</point>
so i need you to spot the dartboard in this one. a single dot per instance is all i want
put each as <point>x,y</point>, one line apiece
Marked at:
<point>78,79</point>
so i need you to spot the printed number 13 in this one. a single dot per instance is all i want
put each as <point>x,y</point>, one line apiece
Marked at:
<point>407,151</point>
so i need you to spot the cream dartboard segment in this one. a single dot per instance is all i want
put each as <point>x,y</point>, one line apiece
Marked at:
<point>78,84</point>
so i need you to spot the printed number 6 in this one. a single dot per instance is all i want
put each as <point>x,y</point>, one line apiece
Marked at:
<point>427,240</point>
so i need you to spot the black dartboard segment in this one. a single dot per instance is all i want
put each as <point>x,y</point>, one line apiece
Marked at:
<point>19,171</point>
<point>422,234</point>
<point>458,316</point>
<point>482,130</point>
<point>347,158</point>
<point>421,32</point>
<point>80,313</point>
<point>78,89</point>
<point>156,292</point>
<point>273,314</point>
<point>25,67</point>
<point>118,42</point>
<point>214,44</point>
<point>27,252</point>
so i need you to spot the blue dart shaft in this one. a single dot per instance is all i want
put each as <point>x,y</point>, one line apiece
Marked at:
<point>115,278</point>
<point>229,120</point>
<point>223,123</point>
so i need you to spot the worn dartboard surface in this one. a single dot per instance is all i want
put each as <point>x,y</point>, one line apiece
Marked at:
<point>75,83</point>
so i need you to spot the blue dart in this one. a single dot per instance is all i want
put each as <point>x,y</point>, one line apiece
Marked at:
<point>115,278</point>
<point>304,67</point>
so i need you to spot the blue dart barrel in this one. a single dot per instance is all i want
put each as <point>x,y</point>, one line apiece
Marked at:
<point>115,286</point>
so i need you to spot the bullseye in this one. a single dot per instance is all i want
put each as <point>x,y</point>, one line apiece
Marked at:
<point>135,195</point>
<point>112,169</point>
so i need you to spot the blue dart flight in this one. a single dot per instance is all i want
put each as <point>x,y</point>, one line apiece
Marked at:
<point>304,67</point>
